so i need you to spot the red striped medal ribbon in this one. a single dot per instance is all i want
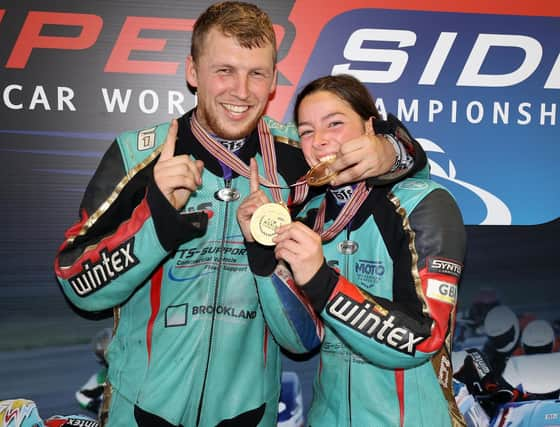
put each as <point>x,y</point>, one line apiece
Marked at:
<point>266,142</point>
<point>359,195</point>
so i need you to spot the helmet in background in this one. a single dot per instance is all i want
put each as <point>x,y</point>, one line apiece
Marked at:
<point>537,337</point>
<point>19,413</point>
<point>502,328</point>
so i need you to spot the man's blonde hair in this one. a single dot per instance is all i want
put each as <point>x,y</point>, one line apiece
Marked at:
<point>246,23</point>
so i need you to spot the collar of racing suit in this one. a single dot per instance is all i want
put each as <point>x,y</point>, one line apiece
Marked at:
<point>188,144</point>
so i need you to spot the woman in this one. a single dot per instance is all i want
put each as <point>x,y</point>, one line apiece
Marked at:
<point>379,267</point>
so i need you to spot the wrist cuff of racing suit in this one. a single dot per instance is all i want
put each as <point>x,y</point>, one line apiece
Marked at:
<point>411,157</point>
<point>173,227</point>
<point>262,261</point>
<point>320,287</point>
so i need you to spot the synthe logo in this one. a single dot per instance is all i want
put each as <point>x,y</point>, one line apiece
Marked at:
<point>380,326</point>
<point>445,266</point>
<point>110,266</point>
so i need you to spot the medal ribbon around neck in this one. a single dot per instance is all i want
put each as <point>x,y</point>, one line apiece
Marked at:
<point>266,142</point>
<point>359,195</point>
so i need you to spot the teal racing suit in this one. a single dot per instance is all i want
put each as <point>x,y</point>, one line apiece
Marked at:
<point>386,297</point>
<point>191,346</point>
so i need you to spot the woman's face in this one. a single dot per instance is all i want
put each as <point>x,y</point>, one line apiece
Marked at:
<point>325,123</point>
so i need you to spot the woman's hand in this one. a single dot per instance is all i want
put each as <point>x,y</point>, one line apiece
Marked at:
<point>301,247</point>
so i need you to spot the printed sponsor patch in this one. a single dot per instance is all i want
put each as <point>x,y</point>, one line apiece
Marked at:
<point>111,265</point>
<point>176,315</point>
<point>223,310</point>
<point>369,272</point>
<point>445,266</point>
<point>146,139</point>
<point>374,322</point>
<point>442,291</point>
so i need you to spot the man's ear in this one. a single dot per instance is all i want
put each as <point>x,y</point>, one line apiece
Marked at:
<point>274,81</point>
<point>190,72</point>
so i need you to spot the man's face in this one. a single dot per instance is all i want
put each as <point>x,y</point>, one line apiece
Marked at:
<point>233,85</point>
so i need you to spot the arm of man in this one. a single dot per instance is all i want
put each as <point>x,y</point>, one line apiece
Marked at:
<point>127,227</point>
<point>288,315</point>
<point>386,154</point>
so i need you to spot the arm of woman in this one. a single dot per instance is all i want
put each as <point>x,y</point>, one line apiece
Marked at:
<point>413,325</point>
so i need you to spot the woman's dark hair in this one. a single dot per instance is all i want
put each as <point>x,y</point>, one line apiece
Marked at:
<point>347,88</point>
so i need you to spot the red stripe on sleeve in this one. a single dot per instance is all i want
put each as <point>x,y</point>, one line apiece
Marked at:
<point>155,301</point>
<point>436,287</point>
<point>347,288</point>
<point>126,230</point>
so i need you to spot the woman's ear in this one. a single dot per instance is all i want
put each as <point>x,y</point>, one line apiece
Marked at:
<point>369,126</point>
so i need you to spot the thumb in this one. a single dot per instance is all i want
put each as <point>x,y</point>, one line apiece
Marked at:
<point>168,151</point>
<point>253,175</point>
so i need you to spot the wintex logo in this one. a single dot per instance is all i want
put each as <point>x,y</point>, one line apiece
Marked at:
<point>111,265</point>
<point>70,421</point>
<point>374,322</point>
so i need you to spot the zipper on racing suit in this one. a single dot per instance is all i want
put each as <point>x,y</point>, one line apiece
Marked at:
<point>346,261</point>
<point>227,183</point>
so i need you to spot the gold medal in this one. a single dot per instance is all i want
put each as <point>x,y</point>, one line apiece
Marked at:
<point>321,173</point>
<point>266,219</point>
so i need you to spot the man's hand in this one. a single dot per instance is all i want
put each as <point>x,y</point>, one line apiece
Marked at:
<point>301,247</point>
<point>177,177</point>
<point>249,205</point>
<point>364,157</point>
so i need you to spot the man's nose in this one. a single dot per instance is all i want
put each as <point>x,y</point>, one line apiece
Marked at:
<point>241,86</point>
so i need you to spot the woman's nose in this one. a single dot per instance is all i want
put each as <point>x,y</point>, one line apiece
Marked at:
<point>319,138</point>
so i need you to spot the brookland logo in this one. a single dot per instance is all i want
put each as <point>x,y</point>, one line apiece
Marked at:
<point>223,310</point>
<point>378,325</point>
<point>110,266</point>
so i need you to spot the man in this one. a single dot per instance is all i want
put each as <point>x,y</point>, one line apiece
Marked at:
<point>158,236</point>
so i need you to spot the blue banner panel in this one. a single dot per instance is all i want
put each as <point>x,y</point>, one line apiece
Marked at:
<point>481,92</point>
